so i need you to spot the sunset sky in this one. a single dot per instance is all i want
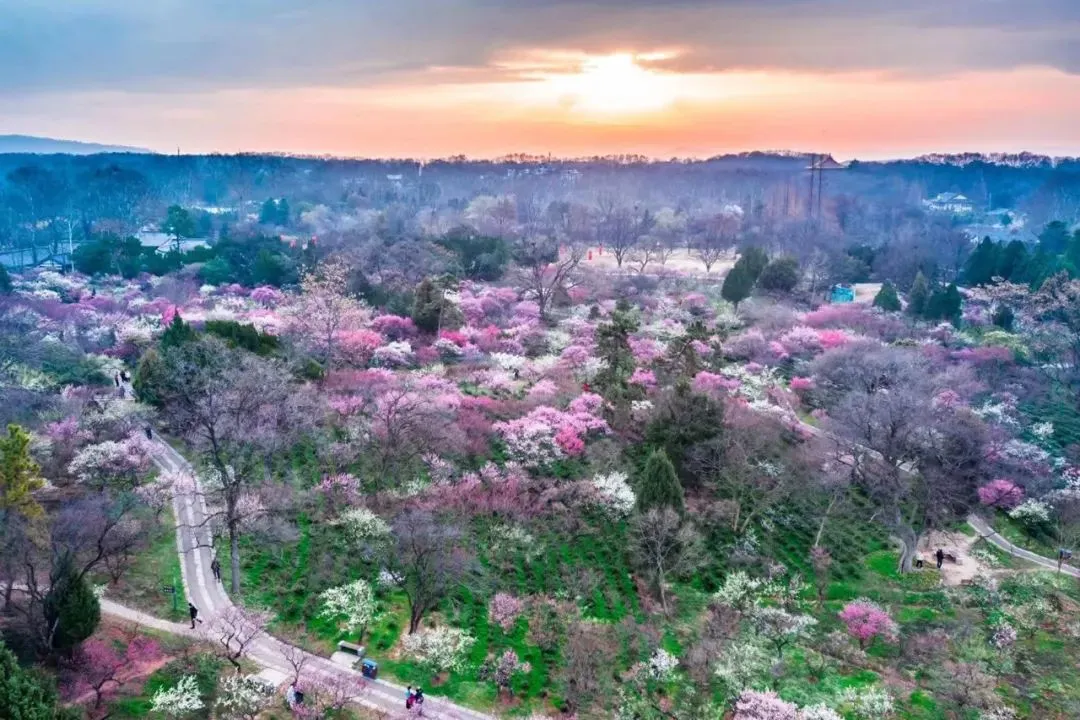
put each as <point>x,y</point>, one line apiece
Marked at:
<point>428,78</point>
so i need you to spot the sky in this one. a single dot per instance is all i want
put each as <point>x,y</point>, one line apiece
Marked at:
<point>434,78</point>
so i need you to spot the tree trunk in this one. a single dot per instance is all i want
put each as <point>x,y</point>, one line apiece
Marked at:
<point>415,616</point>
<point>234,557</point>
<point>908,541</point>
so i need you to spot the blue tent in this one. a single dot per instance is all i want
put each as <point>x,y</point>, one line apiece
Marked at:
<point>842,294</point>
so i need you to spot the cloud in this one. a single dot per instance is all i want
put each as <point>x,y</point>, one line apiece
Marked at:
<point>206,45</point>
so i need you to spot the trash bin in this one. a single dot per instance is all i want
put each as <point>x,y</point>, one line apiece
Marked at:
<point>369,669</point>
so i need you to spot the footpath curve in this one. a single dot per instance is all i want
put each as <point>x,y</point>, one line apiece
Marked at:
<point>990,535</point>
<point>194,543</point>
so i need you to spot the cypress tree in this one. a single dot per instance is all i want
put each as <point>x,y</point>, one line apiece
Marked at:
<point>919,295</point>
<point>887,299</point>
<point>178,333</point>
<point>983,264</point>
<point>737,285</point>
<point>71,607</point>
<point>5,281</point>
<point>23,694</point>
<point>20,476</point>
<point>755,260</point>
<point>658,485</point>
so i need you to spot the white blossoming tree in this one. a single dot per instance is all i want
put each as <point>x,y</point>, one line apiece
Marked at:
<point>441,649</point>
<point>354,602</point>
<point>241,697</point>
<point>178,701</point>
<point>614,493</point>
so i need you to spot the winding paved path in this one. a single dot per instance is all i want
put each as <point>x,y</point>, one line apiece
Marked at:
<point>989,534</point>
<point>194,543</point>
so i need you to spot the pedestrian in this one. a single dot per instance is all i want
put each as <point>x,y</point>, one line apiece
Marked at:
<point>116,379</point>
<point>409,698</point>
<point>418,698</point>
<point>124,376</point>
<point>215,567</point>
<point>193,612</point>
<point>149,433</point>
<point>940,556</point>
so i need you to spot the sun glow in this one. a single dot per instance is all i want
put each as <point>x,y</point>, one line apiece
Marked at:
<point>613,85</point>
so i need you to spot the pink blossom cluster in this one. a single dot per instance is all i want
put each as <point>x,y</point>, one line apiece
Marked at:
<point>754,705</point>
<point>547,434</point>
<point>802,384</point>
<point>340,489</point>
<point>866,620</point>
<point>709,383</point>
<point>1001,493</point>
<point>646,350</point>
<point>504,610</point>
<point>266,295</point>
<point>394,327</point>
<point>644,378</point>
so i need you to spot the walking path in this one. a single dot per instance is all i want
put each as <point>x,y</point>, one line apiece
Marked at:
<point>194,542</point>
<point>983,528</point>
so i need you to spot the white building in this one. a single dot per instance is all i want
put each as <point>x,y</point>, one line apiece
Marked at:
<point>953,203</point>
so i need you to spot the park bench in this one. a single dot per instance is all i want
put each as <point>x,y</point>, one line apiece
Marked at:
<point>357,650</point>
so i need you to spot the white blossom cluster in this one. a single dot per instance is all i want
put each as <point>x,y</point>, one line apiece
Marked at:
<point>614,492</point>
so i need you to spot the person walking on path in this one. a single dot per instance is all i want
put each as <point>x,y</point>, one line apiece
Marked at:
<point>149,433</point>
<point>940,557</point>
<point>215,567</point>
<point>408,698</point>
<point>194,613</point>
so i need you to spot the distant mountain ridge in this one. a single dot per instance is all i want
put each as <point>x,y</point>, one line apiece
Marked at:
<point>29,144</point>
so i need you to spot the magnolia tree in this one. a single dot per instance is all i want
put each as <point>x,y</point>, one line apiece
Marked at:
<point>354,603</point>
<point>179,701</point>
<point>440,649</point>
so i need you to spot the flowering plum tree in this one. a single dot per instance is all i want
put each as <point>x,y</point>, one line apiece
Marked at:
<point>754,705</point>
<point>867,620</point>
<point>180,700</point>
<point>504,610</point>
<point>1001,493</point>
<point>355,602</point>
<point>439,649</point>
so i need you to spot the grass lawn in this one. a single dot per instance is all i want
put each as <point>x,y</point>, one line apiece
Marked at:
<point>153,569</point>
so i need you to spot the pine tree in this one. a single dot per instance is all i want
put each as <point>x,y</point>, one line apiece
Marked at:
<point>983,264</point>
<point>71,609</point>
<point>1013,261</point>
<point>613,346</point>
<point>1004,318</point>
<point>658,485</point>
<point>24,694</point>
<point>268,215</point>
<point>20,476</point>
<point>5,281</point>
<point>919,295</point>
<point>282,213</point>
<point>177,333</point>
<point>780,275</point>
<point>756,260</point>
<point>427,305</point>
<point>887,299</point>
<point>737,285</point>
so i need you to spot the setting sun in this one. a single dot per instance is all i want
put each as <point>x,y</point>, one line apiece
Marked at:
<point>613,85</point>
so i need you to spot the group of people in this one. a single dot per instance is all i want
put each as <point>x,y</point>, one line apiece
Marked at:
<point>413,698</point>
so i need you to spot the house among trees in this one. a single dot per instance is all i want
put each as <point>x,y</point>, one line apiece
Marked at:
<point>949,202</point>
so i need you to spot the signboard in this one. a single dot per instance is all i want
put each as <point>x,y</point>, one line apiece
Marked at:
<point>169,589</point>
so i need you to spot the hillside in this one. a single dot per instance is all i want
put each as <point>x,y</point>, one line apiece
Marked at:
<point>28,144</point>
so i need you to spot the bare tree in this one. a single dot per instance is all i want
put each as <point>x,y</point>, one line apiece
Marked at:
<point>297,659</point>
<point>589,652</point>
<point>330,693</point>
<point>428,560</point>
<point>664,547</point>
<point>235,409</point>
<point>712,237</point>
<point>233,631</point>
<point>621,228</point>
<point>544,272</point>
